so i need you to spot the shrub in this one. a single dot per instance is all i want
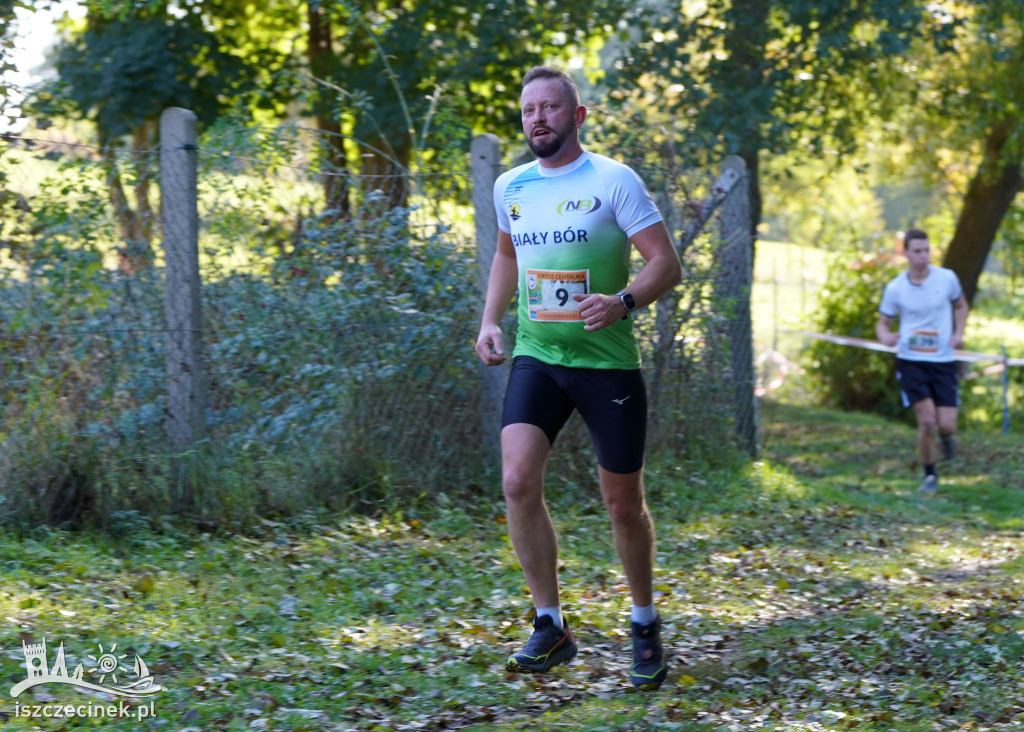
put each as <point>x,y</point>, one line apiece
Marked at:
<point>338,363</point>
<point>854,378</point>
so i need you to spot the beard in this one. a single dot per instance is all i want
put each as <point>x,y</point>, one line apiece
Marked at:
<point>547,146</point>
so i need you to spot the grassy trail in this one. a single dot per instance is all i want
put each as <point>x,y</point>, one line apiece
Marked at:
<point>813,590</point>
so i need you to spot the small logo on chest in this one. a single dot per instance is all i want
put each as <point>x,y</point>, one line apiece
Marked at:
<point>582,205</point>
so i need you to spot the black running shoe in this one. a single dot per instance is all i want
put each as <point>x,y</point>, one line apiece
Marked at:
<point>547,647</point>
<point>648,670</point>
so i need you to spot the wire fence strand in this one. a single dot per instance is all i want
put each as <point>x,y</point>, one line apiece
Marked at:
<point>337,335</point>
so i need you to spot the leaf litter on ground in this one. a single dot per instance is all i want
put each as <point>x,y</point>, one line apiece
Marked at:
<point>794,598</point>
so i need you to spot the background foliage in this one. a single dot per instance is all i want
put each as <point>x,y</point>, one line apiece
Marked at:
<point>844,146</point>
<point>855,378</point>
<point>340,368</point>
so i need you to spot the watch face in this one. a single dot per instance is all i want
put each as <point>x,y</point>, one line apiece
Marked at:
<point>628,302</point>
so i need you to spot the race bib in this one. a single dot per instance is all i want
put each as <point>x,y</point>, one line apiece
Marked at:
<point>924,341</point>
<point>549,293</point>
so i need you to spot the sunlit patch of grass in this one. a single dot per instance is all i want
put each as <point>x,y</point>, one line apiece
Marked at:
<point>787,279</point>
<point>991,333</point>
<point>776,480</point>
<point>943,553</point>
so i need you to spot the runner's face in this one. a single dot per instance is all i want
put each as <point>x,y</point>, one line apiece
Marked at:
<point>549,117</point>
<point>918,252</point>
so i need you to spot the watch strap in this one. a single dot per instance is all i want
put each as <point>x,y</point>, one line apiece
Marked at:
<point>628,303</point>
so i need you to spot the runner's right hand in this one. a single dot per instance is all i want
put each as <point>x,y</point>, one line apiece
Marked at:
<point>489,346</point>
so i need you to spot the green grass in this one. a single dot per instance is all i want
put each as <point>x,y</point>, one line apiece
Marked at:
<point>812,590</point>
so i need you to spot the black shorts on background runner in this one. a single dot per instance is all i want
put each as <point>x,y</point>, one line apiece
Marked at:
<point>927,380</point>
<point>612,403</point>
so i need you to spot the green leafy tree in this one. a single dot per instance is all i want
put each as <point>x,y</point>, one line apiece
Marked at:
<point>382,72</point>
<point>6,47</point>
<point>966,103</point>
<point>12,205</point>
<point>766,77</point>
<point>396,63</point>
<point>120,72</point>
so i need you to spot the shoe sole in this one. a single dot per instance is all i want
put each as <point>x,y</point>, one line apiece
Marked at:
<point>525,667</point>
<point>645,683</point>
<point>651,686</point>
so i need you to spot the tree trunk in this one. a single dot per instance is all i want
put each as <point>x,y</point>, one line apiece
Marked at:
<point>135,226</point>
<point>989,196</point>
<point>321,60</point>
<point>746,46</point>
<point>388,174</point>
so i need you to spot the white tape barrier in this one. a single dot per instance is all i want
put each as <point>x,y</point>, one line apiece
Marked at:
<point>970,356</point>
<point>999,364</point>
<point>782,366</point>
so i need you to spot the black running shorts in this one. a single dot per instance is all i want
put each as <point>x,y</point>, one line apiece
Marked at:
<point>612,403</point>
<point>927,380</point>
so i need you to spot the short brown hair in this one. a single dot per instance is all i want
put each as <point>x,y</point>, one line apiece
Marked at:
<point>913,234</point>
<point>549,72</point>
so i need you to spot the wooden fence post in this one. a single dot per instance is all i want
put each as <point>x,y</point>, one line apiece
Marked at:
<point>733,285</point>
<point>485,151</point>
<point>180,219</point>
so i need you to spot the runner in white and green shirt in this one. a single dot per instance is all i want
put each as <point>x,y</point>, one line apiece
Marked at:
<point>567,223</point>
<point>570,227</point>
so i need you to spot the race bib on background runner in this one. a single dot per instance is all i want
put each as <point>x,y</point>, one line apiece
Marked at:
<point>924,341</point>
<point>550,292</point>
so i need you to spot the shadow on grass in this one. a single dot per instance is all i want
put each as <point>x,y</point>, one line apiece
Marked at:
<point>811,590</point>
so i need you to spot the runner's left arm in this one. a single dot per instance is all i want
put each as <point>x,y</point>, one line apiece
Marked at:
<point>960,310</point>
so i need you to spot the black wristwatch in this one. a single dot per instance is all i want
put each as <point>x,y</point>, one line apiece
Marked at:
<point>627,302</point>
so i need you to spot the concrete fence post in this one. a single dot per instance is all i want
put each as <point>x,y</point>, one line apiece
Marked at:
<point>485,151</point>
<point>733,286</point>
<point>180,220</point>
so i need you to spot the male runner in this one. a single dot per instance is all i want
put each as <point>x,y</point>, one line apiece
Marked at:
<point>566,225</point>
<point>932,310</point>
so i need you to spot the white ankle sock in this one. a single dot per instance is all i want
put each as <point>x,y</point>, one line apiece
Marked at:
<point>554,612</point>
<point>644,615</point>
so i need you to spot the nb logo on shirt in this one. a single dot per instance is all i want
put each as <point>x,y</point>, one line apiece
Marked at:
<point>584,205</point>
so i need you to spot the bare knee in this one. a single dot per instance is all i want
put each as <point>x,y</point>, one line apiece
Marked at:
<point>927,424</point>
<point>521,487</point>
<point>947,422</point>
<point>624,509</point>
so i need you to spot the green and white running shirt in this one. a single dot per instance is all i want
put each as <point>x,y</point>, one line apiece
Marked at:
<point>570,227</point>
